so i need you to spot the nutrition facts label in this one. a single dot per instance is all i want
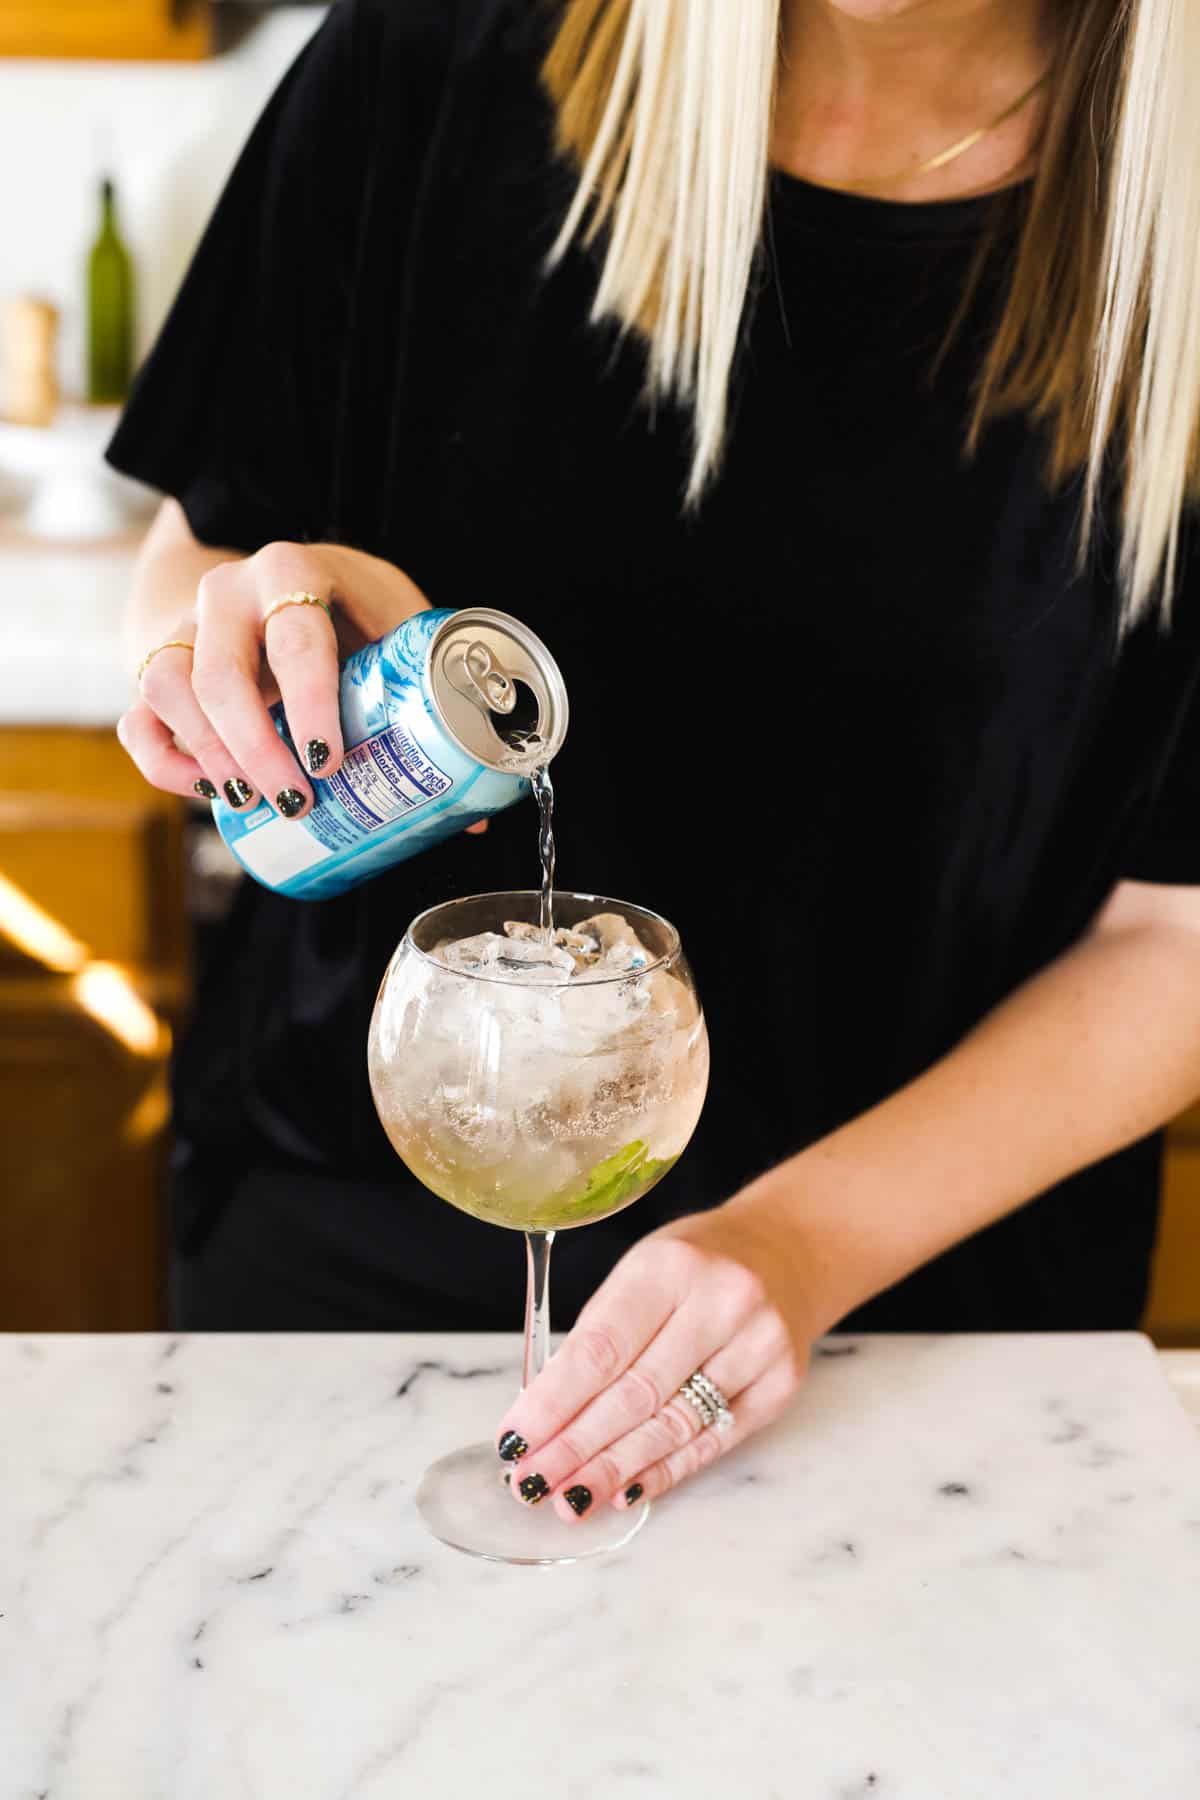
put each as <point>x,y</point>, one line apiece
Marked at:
<point>380,780</point>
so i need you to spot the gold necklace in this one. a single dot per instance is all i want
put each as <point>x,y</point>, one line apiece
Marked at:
<point>955,150</point>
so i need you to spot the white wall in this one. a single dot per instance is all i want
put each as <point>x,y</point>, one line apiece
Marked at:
<point>170,133</point>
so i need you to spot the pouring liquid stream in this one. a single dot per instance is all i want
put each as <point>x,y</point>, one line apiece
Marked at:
<point>543,793</point>
<point>522,739</point>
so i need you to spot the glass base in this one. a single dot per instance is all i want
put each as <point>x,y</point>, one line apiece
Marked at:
<point>464,1501</point>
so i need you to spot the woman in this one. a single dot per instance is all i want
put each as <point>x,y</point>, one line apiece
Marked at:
<point>821,381</point>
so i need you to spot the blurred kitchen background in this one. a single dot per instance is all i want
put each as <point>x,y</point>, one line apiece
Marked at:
<point>107,889</point>
<point>105,886</point>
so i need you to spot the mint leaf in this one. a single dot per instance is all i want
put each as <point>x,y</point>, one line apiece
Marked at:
<point>613,1183</point>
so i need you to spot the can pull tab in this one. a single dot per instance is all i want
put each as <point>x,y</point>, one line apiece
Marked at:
<point>483,681</point>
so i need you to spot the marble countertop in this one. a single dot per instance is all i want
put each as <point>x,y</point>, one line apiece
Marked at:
<point>962,1566</point>
<point>1182,1370</point>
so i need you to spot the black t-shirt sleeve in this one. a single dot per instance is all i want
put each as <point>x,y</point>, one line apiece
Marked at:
<point>234,409</point>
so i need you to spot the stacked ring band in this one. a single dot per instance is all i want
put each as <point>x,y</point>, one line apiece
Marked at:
<point>171,644</point>
<point>708,1402</point>
<point>296,600</point>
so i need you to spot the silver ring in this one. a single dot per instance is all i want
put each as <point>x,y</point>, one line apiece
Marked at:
<point>700,1405</point>
<point>708,1402</point>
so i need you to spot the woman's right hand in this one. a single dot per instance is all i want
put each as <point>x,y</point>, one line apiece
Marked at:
<point>201,722</point>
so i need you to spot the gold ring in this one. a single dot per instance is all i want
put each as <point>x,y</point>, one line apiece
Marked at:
<point>296,600</point>
<point>171,644</point>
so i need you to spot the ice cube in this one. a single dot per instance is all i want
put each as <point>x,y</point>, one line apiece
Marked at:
<point>600,947</point>
<point>583,949</point>
<point>620,959</point>
<point>521,960</point>
<point>521,928</point>
<point>619,944</point>
<point>526,959</point>
<point>470,955</point>
<point>579,943</point>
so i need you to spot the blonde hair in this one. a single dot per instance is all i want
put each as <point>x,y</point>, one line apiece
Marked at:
<point>665,107</point>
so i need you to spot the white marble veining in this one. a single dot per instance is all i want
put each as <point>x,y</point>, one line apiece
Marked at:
<point>962,1569</point>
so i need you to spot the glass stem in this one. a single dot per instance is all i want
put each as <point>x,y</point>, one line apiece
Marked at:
<point>538,1245</point>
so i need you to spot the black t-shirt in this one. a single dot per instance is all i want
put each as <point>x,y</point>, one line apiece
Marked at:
<point>857,726</point>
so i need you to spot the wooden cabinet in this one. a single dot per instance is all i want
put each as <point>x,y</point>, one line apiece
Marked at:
<point>168,30</point>
<point>93,974</point>
<point>1173,1315</point>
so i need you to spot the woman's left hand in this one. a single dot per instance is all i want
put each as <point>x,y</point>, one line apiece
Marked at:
<point>717,1292</point>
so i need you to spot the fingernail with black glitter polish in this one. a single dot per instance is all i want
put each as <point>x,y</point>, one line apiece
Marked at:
<point>205,789</point>
<point>316,755</point>
<point>578,1499</point>
<point>290,802</point>
<point>534,1488</point>
<point>237,792</point>
<point>633,1494</point>
<point>512,1447</point>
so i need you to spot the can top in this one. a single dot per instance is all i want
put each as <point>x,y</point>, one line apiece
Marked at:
<point>498,690</point>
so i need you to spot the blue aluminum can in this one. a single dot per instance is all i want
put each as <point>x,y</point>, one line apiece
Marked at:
<point>444,721</point>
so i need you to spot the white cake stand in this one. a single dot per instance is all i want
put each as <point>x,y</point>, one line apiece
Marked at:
<point>62,487</point>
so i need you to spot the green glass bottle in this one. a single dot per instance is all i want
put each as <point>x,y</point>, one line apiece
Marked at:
<point>110,308</point>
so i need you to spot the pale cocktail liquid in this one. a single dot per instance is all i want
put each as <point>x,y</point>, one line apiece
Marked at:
<point>561,1072</point>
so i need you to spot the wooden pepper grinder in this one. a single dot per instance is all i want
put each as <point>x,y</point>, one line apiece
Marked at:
<point>30,342</point>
